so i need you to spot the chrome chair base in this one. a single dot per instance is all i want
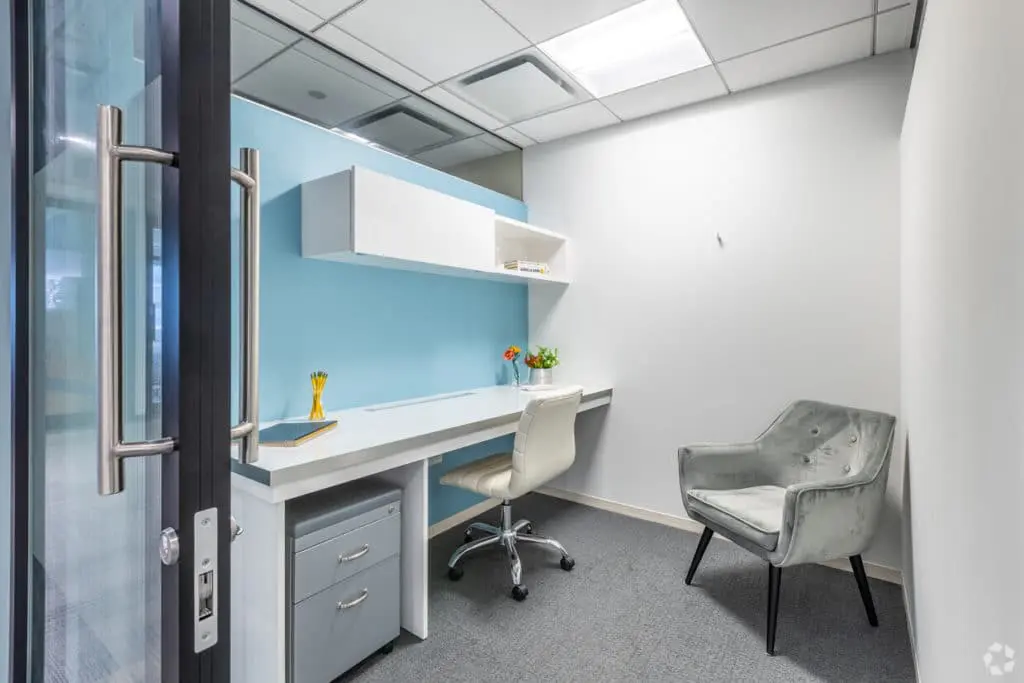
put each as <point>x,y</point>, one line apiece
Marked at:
<point>507,535</point>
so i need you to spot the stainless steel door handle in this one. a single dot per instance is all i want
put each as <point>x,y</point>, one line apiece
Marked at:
<point>246,431</point>
<point>111,153</point>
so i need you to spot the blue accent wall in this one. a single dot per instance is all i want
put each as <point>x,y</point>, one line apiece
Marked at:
<point>382,335</point>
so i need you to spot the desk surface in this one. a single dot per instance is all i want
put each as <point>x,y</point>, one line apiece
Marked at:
<point>422,428</point>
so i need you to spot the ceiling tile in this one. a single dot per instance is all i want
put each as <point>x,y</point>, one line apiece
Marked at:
<point>261,22</point>
<point>894,30</point>
<point>327,9</point>
<point>513,135</point>
<point>350,68</point>
<point>255,38</point>
<point>364,54</point>
<point>730,28</point>
<point>287,80</point>
<point>456,104</point>
<point>677,91</point>
<point>290,12</point>
<point>582,117</point>
<point>539,20</point>
<point>884,5</point>
<point>440,38</point>
<point>457,153</point>
<point>820,51</point>
<point>249,48</point>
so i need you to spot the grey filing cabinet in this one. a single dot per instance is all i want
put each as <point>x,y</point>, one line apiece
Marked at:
<point>344,584</point>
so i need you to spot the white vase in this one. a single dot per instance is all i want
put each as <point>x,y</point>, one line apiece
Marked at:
<point>540,376</point>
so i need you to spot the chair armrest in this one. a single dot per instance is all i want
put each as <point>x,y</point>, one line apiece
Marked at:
<point>719,466</point>
<point>830,519</point>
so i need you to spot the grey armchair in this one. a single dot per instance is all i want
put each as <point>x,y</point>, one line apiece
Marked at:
<point>809,489</point>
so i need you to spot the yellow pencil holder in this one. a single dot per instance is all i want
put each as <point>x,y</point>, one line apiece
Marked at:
<point>318,382</point>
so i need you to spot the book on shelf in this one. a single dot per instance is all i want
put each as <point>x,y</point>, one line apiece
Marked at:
<point>527,266</point>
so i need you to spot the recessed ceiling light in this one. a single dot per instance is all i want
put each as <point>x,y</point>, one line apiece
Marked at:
<point>641,44</point>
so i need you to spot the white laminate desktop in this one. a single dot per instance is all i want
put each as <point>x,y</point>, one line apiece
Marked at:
<point>377,438</point>
<point>392,442</point>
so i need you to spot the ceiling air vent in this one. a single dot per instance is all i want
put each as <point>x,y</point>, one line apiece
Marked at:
<point>402,129</point>
<point>518,88</point>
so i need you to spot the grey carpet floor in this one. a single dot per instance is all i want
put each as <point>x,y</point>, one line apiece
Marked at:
<point>624,613</point>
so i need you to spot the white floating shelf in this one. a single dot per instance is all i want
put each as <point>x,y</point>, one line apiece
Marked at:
<point>360,216</point>
<point>515,240</point>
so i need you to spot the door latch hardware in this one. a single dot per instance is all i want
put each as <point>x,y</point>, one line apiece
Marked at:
<point>204,587</point>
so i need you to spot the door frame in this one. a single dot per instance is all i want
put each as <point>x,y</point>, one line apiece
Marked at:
<point>193,59</point>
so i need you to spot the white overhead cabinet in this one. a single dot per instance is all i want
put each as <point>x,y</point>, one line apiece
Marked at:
<point>362,216</point>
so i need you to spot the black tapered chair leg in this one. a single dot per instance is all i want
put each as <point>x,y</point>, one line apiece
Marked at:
<point>774,582</point>
<point>865,591</point>
<point>702,545</point>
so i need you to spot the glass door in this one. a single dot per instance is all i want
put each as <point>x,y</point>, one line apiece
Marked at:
<point>125,147</point>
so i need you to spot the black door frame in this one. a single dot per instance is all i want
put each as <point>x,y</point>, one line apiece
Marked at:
<point>192,59</point>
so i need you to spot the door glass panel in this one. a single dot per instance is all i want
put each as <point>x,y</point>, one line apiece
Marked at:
<point>95,568</point>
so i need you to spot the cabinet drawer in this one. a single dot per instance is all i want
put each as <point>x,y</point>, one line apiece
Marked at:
<point>335,560</point>
<point>337,628</point>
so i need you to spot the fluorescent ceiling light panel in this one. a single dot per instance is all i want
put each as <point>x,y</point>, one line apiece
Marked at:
<point>641,44</point>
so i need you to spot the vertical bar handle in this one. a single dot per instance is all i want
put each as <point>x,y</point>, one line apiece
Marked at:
<point>111,152</point>
<point>248,178</point>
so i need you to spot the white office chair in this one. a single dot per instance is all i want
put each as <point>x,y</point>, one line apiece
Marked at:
<point>545,446</point>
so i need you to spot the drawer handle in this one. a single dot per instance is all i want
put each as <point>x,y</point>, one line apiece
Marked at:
<point>354,556</point>
<point>353,603</point>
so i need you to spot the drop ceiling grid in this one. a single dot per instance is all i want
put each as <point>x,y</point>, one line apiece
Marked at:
<point>524,24</point>
<point>799,16</point>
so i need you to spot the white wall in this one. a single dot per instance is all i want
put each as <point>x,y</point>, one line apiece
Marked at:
<point>963,334</point>
<point>709,343</point>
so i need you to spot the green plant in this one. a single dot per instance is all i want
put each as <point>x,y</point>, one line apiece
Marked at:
<point>544,358</point>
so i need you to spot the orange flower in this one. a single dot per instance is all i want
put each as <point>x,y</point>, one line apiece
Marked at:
<point>512,352</point>
<point>531,360</point>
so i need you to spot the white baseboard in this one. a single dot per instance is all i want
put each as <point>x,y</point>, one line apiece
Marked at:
<point>460,518</point>
<point>876,571</point>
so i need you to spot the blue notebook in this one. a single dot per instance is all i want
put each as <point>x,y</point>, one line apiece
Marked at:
<point>294,433</point>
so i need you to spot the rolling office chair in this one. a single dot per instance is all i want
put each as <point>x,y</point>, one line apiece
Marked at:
<point>545,446</point>
<point>809,489</point>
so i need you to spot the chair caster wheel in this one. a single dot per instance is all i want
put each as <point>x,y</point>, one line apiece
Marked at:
<point>568,563</point>
<point>455,573</point>
<point>520,592</point>
<point>528,529</point>
<point>468,538</point>
<point>388,649</point>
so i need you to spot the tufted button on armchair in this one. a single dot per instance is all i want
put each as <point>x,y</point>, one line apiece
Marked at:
<point>809,489</point>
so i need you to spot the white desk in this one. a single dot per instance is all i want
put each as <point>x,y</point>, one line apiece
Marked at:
<point>391,441</point>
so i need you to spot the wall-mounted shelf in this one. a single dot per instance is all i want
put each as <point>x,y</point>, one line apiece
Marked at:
<point>361,216</point>
<point>517,240</point>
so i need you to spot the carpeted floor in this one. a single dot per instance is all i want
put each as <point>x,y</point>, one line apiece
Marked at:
<point>624,613</point>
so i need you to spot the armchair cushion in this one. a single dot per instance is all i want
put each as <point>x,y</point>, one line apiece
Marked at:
<point>754,513</point>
